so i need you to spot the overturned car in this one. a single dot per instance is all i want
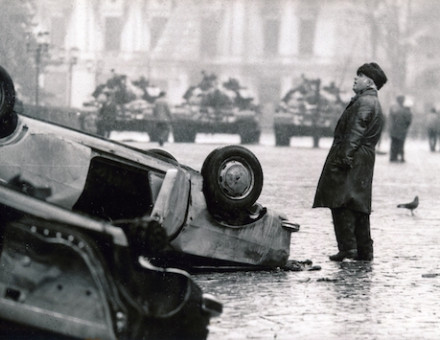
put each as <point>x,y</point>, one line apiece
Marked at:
<point>66,276</point>
<point>211,217</point>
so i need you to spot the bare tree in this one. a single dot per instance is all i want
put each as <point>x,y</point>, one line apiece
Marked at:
<point>398,29</point>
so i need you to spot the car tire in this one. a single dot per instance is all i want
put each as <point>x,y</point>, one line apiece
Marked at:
<point>232,180</point>
<point>7,94</point>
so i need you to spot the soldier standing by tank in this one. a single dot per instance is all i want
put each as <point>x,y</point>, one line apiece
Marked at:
<point>433,123</point>
<point>345,185</point>
<point>400,119</point>
<point>163,114</point>
<point>107,115</point>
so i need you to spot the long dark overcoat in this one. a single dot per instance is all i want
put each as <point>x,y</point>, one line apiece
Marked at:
<point>347,176</point>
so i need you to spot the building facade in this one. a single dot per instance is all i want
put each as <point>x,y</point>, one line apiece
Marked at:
<point>265,44</point>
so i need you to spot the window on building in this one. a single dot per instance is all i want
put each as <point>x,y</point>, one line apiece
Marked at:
<point>209,36</point>
<point>113,31</point>
<point>58,31</point>
<point>271,36</point>
<point>157,27</point>
<point>306,36</point>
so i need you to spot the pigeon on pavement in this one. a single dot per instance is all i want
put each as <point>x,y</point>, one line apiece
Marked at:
<point>411,205</point>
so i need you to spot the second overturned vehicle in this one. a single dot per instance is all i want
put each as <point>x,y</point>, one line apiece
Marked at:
<point>67,276</point>
<point>211,217</point>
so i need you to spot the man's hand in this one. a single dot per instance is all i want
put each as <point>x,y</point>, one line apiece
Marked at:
<point>344,163</point>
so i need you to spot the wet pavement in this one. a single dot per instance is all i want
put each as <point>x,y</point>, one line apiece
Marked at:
<point>394,297</point>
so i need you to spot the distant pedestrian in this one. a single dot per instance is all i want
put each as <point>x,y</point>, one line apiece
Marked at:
<point>433,123</point>
<point>399,121</point>
<point>163,115</point>
<point>345,185</point>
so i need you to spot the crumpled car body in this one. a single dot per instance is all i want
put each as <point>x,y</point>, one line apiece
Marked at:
<point>209,217</point>
<point>116,182</point>
<point>217,224</point>
<point>66,276</point>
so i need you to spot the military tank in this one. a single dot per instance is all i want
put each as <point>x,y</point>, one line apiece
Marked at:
<point>210,107</point>
<point>308,110</point>
<point>121,104</point>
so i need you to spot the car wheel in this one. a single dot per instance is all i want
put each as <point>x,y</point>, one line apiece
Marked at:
<point>7,93</point>
<point>163,153</point>
<point>232,179</point>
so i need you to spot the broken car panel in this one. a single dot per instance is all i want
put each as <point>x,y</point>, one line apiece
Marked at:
<point>66,275</point>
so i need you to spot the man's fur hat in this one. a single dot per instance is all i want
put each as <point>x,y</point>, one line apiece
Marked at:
<point>373,71</point>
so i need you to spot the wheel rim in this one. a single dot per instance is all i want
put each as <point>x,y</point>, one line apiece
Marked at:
<point>236,179</point>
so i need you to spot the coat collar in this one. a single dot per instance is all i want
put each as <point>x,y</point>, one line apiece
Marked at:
<point>366,92</point>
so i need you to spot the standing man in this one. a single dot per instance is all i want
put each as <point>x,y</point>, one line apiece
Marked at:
<point>400,120</point>
<point>107,115</point>
<point>162,112</point>
<point>433,128</point>
<point>346,180</point>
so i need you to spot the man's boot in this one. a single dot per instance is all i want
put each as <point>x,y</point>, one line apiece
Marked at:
<point>346,254</point>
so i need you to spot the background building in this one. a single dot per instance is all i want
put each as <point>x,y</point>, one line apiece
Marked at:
<point>266,44</point>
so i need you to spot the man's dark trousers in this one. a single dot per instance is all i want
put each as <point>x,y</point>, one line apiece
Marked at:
<point>396,149</point>
<point>352,230</point>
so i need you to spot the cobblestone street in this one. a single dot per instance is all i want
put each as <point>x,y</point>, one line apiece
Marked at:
<point>394,297</point>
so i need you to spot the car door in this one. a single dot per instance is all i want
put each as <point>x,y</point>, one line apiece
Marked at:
<point>171,204</point>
